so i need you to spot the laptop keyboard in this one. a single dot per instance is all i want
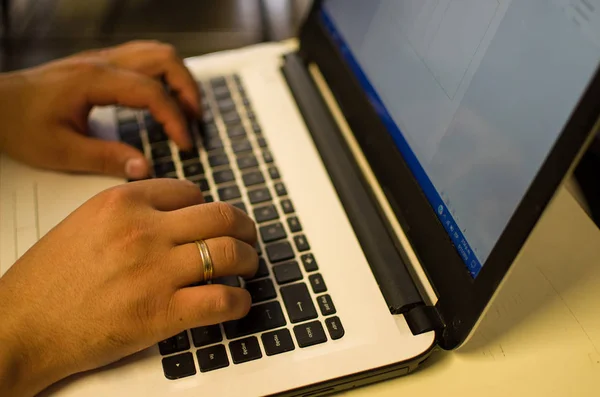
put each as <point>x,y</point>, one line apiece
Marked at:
<point>232,162</point>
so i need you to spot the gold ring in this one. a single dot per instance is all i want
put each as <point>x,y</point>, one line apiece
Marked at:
<point>207,264</point>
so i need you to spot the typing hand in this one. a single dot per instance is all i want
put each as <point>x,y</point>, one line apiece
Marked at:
<point>44,110</point>
<point>113,278</point>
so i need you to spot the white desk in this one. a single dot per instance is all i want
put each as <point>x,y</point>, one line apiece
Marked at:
<point>541,336</point>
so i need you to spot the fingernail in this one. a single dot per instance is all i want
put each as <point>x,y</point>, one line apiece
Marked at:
<point>136,168</point>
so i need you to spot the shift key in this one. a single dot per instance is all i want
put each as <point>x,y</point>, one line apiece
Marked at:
<point>260,318</point>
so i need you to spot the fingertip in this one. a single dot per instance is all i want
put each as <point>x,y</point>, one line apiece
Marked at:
<point>136,168</point>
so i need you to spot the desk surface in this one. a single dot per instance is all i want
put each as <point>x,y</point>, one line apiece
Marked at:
<point>541,337</point>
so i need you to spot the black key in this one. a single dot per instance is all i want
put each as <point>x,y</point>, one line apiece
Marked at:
<point>326,305</point>
<point>277,342</point>
<point>231,117</point>
<point>223,176</point>
<point>309,262</point>
<point>193,169</point>
<point>267,156</point>
<point>317,283</point>
<point>280,189</point>
<point>191,155</point>
<point>280,252</point>
<point>209,131</point>
<point>164,168</point>
<point>247,162</point>
<point>256,128</point>
<point>263,270</point>
<point>301,243</point>
<point>226,105</point>
<point>213,144</point>
<point>202,184</point>
<point>208,198</point>
<point>259,195</point>
<point>262,142</point>
<point>246,101</point>
<point>218,159</point>
<point>129,130</point>
<point>212,358</point>
<point>335,328</point>
<point>241,146</point>
<point>217,82</point>
<point>287,206</point>
<point>232,281</point>
<point>171,175</point>
<point>298,303</point>
<point>245,350</point>
<point>203,336</point>
<point>149,120</point>
<point>179,366</point>
<point>272,232</point>
<point>229,193</point>
<point>161,150</point>
<point>177,343</point>
<point>253,178</point>
<point>136,142</point>
<point>251,115</point>
<point>287,272</point>
<point>294,224</point>
<point>261,290</point>
<point>260,318</point>
<point>274,173</point>
<point>236,131</point>
<point>241,206</point>
<point>310,334</point>
<point>266,213</point>
<point>221,92</point>
<point>208,116</point>
<point>156,134</point>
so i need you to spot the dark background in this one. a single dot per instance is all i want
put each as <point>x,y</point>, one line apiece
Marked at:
<point>40,30</point>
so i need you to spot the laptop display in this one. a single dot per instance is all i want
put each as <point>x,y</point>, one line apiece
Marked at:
<point>474,93</point>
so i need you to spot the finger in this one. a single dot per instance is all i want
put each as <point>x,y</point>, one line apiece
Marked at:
<point>157,59</point>
<point>230,257</point>
<point>208,221</point>
<point>85,154</point>
<point>108,86</point>
<point>207,305</point>
<point>167,194</point>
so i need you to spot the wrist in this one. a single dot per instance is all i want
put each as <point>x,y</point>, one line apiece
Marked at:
<point>25,370</point>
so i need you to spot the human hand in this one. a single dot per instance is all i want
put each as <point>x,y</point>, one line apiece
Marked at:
<point>113,278</point>
<point>45,110</point>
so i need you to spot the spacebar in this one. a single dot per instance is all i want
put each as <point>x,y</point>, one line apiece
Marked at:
<point>260,318</point>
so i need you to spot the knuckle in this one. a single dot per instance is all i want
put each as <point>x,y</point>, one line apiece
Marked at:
<point>88,67</point>
<point>228,302</point>
<point>116,197</point>
<point>227,215</point>
<point>168,51</point>
<point>231,251</point>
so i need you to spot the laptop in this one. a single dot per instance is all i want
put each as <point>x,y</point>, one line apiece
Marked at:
<point>395,162</point>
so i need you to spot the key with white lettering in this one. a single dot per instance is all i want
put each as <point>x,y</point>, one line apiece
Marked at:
<point>298,303</point>
<point>310,334</point>
<point>261,318</point>
<point>212,358</point>
<point>277,342</point>
<point>244,350</point>
<point>326,305</point>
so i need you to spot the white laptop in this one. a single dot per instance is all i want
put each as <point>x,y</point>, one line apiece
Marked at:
<point>395,164</point>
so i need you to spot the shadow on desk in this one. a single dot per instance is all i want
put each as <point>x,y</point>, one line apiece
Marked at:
<point>550,293</point>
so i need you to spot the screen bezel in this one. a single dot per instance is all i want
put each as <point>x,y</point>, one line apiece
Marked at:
<point>461,299</point>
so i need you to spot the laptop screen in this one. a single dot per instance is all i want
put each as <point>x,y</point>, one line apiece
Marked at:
<point>474,93</point>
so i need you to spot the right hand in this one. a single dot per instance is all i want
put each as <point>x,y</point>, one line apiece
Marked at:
<point>114,278</point>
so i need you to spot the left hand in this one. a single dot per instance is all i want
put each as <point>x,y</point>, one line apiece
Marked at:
<point>45,110</point>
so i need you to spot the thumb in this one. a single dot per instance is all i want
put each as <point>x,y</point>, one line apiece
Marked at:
<point>92,155</point>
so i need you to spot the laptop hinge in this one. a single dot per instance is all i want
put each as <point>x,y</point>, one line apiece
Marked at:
<point>422,318</point>
<point>386,262</point>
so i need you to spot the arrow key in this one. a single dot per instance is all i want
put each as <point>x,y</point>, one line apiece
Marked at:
<point>179,366</point>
